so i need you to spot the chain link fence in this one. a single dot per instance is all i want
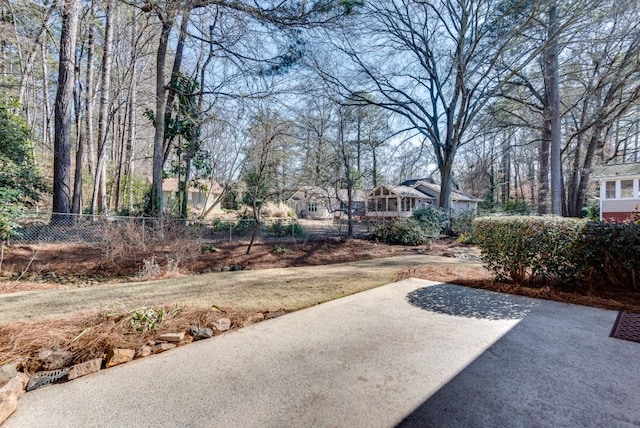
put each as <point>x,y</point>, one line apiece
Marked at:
<point>40,227</point>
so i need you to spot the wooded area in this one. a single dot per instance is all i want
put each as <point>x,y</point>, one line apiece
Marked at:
<point>507,100</point>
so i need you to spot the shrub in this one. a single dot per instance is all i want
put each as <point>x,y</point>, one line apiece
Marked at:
<point>462,222</point>
<point>466,239</point>
<point>431,219</point>
<point>592,211</point>
<point>220,226</point>
<point>402,231</point>
<point>529,249</point>
<point>244,225</point>
<point>280,250</point>
<point>608,255</point>
<point>280,229</point>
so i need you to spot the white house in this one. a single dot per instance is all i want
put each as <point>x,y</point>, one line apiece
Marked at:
<point>319,203</point>
<point>402,200</point>
<point>619,191</point>
<point>200,201</point>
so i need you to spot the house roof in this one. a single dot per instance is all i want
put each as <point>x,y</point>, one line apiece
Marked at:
<point>170,184</point>
<point>402,191</point>
<point>619,170</point>
<point>316,192</point>
<point>455,194</point>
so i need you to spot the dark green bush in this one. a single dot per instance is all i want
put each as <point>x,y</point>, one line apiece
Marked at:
<point>244,225</point>
<point>401,231</point>
<point>529,250</point>
<point>462,222</point>
<point>280,229</point>
<point>431,219</point>
<point>608,255</point>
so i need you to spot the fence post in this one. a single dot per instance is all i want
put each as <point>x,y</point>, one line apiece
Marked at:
<point>143,230</point>
<point>230,233</point>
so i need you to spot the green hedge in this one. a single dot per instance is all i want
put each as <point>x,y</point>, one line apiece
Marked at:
<point>609,255</point>
<point>561,251</point>
<point>528,249</point>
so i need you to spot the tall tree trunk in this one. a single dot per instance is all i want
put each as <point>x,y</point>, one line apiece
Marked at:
<point>99,197</point>
<point>64,104</point>
<point>171,92</point>
<point>46,110</point>
<point>158,137</point>
<point>88,116</point>
<point>552,88</point>
<point>76,202</point>
<point>132,100</point>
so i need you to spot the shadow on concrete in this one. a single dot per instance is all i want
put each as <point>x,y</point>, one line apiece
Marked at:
<point>556,368</point>
<point>470,303</point>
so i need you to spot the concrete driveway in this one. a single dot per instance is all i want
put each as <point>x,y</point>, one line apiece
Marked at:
<point>412,353</point>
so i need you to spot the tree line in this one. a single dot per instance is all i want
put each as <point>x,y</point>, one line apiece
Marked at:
<point>504,99</point>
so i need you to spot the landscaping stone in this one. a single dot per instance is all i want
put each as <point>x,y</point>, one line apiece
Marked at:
<point>53,359</point>
<point>161,347</point>
<point>144,351</point>
<point>16,385</point>
<point>172,337</point>
<point>9,371</point>
<point>10,394</point>
<point>200,333</point>
<point>119,356</point>
<point>85,368</point>
<point>223,324</point>
<point>8,405</point>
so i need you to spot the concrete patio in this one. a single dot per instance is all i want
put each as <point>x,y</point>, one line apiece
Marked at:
<point>412,353</point>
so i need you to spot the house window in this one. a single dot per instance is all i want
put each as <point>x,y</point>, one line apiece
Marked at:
<point>312,207</point>
<point>382,204</point>
<point>393,204</point>
<point>610,190</point>
<point>407,203</point>
<point>371,205</point>
<point>626,189</point>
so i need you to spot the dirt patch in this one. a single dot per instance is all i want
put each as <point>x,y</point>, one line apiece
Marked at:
<point>38,267</point>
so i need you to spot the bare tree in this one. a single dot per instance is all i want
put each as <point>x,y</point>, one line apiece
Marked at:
<point>442,67</point>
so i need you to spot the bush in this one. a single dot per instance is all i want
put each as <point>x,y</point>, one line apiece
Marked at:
<point>609,255</point>
<point>431,219</point>
<point>244,225</point>
<point>462,222</point>
<point>220,226</point>
<point>529,249</point>
<point>280,229</point>
<point>467,239</point>
<point>402,231</point>
<point>592,211</point>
